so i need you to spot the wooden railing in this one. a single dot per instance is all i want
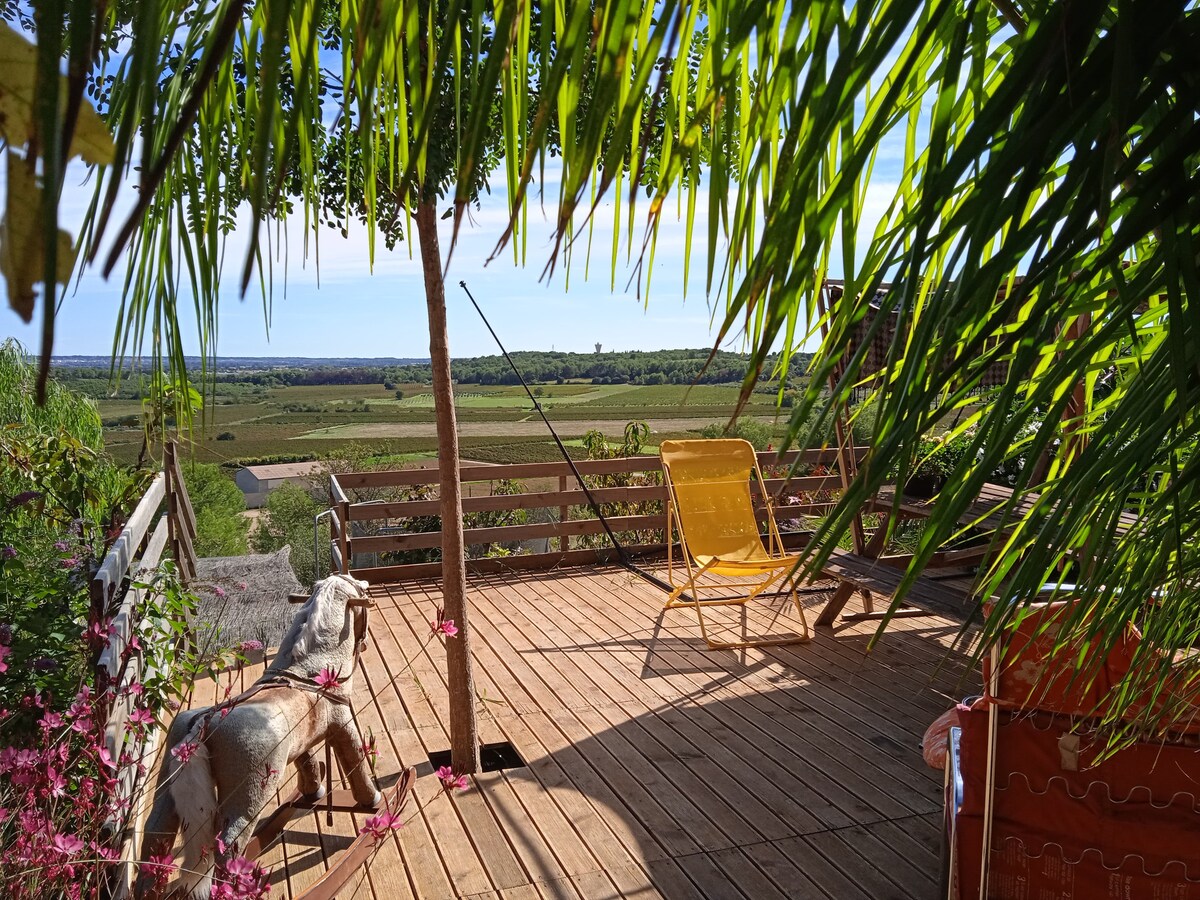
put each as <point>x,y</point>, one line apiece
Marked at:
<point>355,519</point>
<point>141,545</point>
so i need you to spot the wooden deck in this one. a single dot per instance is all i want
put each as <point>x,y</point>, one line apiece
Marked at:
<point>655,768</point>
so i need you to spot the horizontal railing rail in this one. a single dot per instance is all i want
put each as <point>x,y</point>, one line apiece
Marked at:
<point>361,527</point>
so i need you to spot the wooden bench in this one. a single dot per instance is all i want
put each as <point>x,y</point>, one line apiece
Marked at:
<point>926,595</point>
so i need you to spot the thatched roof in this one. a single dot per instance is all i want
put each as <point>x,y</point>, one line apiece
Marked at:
<point>255,602</point>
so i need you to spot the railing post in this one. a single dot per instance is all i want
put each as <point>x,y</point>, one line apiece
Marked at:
<point>564,512</point>
<point>343,513</point>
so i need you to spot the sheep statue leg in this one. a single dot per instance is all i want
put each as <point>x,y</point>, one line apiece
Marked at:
<point>308,775</point>
<point>347,743</point>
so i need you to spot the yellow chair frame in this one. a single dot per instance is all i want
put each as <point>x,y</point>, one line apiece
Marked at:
<point>710,506</point>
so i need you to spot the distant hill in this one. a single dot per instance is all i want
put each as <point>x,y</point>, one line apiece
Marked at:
<point>258,363</point>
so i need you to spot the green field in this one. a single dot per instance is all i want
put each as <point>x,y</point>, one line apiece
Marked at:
<point>497,423</point>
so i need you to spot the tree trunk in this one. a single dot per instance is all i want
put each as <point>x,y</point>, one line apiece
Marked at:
<point>464,730</point>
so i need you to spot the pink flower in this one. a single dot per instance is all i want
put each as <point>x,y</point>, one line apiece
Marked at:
<point>26,759</point>
<point>109,853</point>
<point>444,626</point>
<point>327,679</point>
<point>241,585</point>
<point>79,709</point>
<point>161,866</point>
<point>248,646</point>
<point>450,781</point>
<point>183,750</point>
<point>379,826</point>
<point>4,652</point>
<point>56,783</point>
<point>240,879</point>
<point>69,563</point>
<point>140,718</point>
<point>68,844</point>
<point>62,546</point>
<point>100,632</point>
<point>136,689</point>
<point>219,591</point>
<point>51,720</point>
<point>106,758</point>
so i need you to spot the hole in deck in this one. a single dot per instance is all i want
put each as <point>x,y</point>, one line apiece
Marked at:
<point>493,757</point>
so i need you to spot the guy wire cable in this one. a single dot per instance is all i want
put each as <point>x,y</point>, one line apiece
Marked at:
<point>622,556</point>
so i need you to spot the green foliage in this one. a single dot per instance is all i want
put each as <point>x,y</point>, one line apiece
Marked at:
<point>598,447</point>
<point>634,437</point>
<point>218,502</point>
<point>61,504</point>
<point>63,411</point>
<point>287,519</point>
<point>399,395</point>
<point>757,433</point>
<point>496,519</point>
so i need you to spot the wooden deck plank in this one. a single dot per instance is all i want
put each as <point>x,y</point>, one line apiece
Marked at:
<point>607,801</point>
<point>475,807</point>
<point>823,872</point>
<point>802,722</point>
<point>866,842</point>
<point>467,869</point>
<point>840,663</point>
<point>790,757</point>
<point>786,873</point>
<point>747,875</point>
<point>716,759</point>
<point>867,872</point>
<point>832,687</point>
<point>660,746</point>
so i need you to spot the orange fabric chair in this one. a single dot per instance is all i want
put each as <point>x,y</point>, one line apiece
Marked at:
<point>1030,810</point>
<point>710,505</point>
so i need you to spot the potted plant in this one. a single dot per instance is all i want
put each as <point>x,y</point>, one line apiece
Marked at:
<point>936,459</point>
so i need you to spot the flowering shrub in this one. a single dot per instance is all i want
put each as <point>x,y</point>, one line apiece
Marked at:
<point>60,505</point>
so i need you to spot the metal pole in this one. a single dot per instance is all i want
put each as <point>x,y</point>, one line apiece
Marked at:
<point>622,556</point>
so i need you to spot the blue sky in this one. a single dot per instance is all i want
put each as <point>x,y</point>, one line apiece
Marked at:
<point>335,303</point>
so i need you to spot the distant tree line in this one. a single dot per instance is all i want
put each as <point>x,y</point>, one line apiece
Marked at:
<point>630,367</point>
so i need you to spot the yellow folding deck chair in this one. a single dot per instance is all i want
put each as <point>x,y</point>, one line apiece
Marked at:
<point>709,505</point>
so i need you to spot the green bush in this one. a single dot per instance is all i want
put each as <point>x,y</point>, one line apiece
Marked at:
<point>218,502</point>
<point>287,518</point>
<point>757,433</point>
<point>61,505</point>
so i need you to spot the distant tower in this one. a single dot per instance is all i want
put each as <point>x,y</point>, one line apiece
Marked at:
<point>597,346</point>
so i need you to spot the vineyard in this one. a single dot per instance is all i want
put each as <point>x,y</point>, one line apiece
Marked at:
<point>497,423</point>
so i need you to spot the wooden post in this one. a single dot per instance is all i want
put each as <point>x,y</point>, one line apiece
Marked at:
<point>847,465</point>
<point>564,512</point>
<point>464,729</point>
